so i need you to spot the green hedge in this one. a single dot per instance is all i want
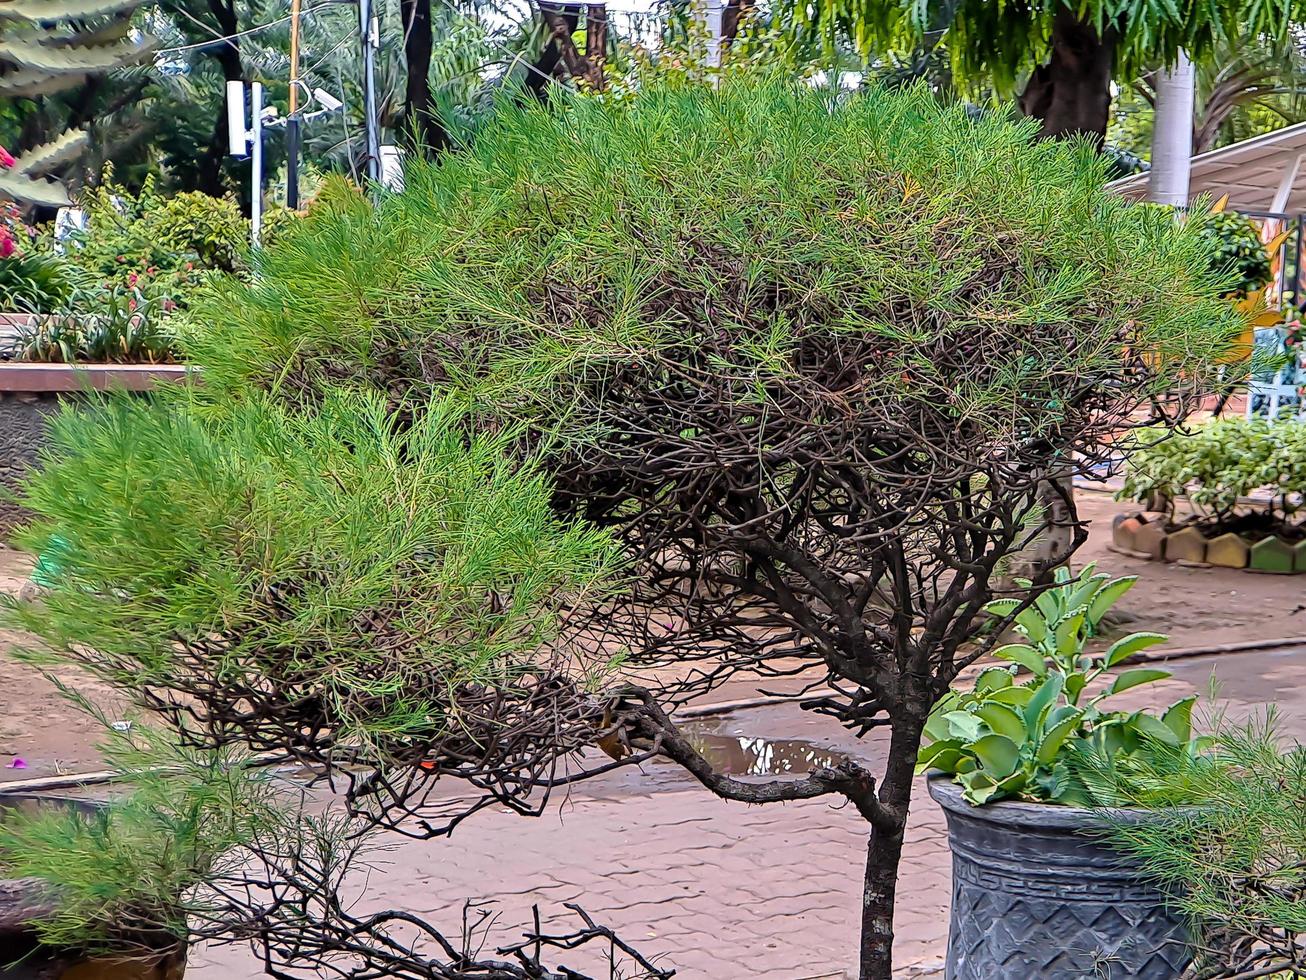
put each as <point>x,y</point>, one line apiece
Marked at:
<point>1221,462</point>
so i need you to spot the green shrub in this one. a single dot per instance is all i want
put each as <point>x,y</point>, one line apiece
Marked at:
<point>1230,847</point>
<point>1004,739</point>
<point>1217,464</point>
<point>296,556</point>
<point>517,261</point>
<point>169,246</point>
<point>210,228</point>
<point>1239,252</point>
<point>1238,258</point>
<point>31,281</point>
<point>808,362</point>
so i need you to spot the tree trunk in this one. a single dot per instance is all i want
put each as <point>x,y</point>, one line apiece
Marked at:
<point>884,848</point>
<point>540,73</point>
<point>735,14</point>
<point>1172,135</point>
<point>421,122</point>
<point>227,55</point>
<point>596,40</point>
<point>879,893</point>
<point>1071,94</point>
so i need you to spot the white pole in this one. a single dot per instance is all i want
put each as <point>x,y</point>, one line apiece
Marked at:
<point>712,22</point>
<point>1172,135</point>
<point>256,164</point>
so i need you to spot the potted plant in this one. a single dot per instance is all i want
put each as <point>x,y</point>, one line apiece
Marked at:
<point>1228,840</point>
<point>106,891</point>
<point>1037,892</point>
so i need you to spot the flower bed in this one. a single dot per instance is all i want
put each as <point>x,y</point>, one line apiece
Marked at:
<point>1245,481</point>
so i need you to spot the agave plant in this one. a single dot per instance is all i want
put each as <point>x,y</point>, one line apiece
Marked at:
<point>47,46</point>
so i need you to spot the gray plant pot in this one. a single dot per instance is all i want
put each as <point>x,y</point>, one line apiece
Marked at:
<point>1037,894</point>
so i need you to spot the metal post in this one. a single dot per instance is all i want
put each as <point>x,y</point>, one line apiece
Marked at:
<point>1297,260</point>
<point>369,28</point>
<point>292,114</point>
<point>292,162</point>
<point>256,163</point>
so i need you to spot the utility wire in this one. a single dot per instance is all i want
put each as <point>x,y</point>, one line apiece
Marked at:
<point>312,69</point>
<point>223,38</point>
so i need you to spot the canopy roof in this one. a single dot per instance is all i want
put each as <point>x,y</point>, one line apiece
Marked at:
<point>1264,173</point>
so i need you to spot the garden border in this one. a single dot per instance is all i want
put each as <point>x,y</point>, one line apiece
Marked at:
<point>32,392</point>
<point>18,377</point>
<point>1146,535</point>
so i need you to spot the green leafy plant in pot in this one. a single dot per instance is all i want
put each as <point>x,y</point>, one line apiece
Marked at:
<point>111,891</point>
<point>1035,894</point>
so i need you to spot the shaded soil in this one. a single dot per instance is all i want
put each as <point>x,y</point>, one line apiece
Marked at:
<point>1197,607</point>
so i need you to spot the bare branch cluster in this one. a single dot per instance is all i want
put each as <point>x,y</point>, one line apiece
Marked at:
<point>290,906</point>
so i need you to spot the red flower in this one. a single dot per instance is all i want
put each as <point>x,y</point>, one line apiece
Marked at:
<point>131,305</point>
<point>131,279</point>
<point>7,247</point>
<point>6,158</point>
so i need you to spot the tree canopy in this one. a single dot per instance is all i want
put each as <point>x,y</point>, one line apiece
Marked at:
<point>1059,57</point>
<point>702,379</point>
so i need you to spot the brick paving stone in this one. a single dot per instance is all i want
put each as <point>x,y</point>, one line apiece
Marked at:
<point>720,890</point>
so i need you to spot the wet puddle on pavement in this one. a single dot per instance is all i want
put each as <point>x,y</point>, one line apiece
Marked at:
<point>748,755</point>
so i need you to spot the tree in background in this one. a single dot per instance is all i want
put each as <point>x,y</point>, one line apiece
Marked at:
<point>212,24</point>
<point>1243,88</point>
<point>1056,57</point>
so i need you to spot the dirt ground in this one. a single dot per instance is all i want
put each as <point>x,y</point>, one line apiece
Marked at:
<point>1196,607</point>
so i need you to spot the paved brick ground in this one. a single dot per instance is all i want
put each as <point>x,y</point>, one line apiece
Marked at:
<point>723,891</point>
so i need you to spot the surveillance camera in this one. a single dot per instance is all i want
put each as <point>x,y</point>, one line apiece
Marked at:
<point>328,101</point>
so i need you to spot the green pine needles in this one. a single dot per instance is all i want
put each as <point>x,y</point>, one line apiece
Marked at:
<point>325,567</point>
<point>560,247</point>
<point>133,877</point>
<point>1230,846</point>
